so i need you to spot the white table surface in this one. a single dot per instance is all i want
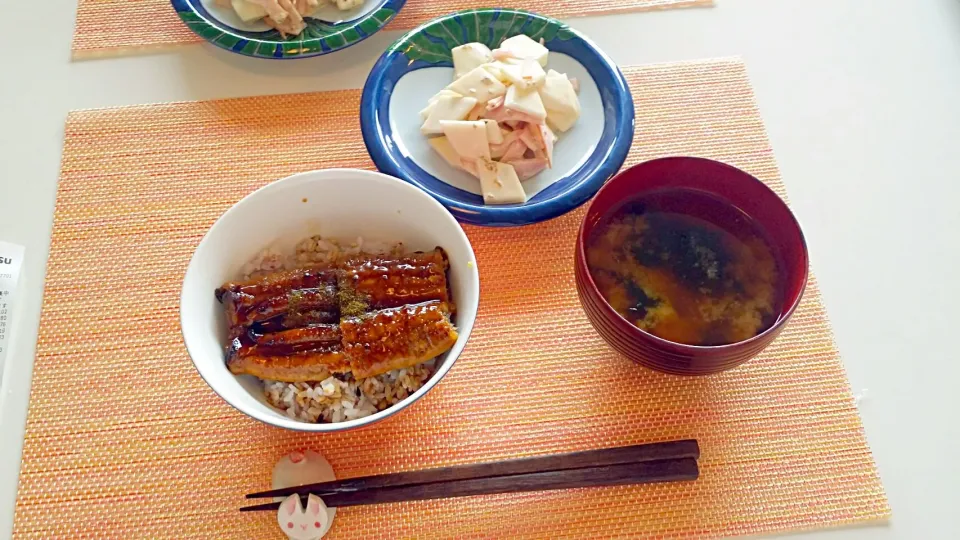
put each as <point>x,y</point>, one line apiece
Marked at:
<point>862,102</point>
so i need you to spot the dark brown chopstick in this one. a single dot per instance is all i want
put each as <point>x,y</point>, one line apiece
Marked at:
<point>668,470</point>
<point>574,460</point>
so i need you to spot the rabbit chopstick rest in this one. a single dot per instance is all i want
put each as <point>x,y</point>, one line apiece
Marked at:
<point>303,524</point>
<point>297,469</point>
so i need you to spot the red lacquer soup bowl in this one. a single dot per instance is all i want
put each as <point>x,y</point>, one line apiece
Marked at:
<point>736,193</point>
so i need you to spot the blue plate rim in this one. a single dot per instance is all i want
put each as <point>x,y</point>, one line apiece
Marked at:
<point>244,36</point>
<point>617,104</point>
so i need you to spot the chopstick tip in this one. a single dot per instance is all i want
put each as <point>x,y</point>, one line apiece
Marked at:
<point>260,507</point>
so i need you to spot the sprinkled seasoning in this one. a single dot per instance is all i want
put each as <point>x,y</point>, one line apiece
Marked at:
<point>352,303</point>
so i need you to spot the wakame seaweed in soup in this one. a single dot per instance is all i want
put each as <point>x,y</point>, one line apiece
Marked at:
<point>686,267</point>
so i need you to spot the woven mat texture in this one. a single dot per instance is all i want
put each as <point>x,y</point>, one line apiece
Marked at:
<point>119,27</point>
<point>124,440</point>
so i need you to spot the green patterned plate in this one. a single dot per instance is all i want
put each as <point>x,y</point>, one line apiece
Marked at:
<point>224,29</point>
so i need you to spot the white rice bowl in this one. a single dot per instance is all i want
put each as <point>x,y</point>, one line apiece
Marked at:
<point>343,204</point>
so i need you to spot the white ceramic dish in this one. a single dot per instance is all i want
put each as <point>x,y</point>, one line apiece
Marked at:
<point>337,203</point>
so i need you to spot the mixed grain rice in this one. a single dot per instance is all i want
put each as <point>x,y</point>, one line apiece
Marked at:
<point>339,397</point>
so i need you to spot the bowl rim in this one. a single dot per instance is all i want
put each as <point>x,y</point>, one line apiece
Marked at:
<point>615,95</point>
<point>649,359</point>
<point>215,31</point>
<point>285,422</point>
<point>610,313</point>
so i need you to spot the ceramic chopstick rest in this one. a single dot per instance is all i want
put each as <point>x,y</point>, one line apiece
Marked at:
<point>300,523</point>
<point>297,469</point>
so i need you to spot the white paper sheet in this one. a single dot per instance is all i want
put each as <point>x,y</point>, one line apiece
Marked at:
<point>11,261</point>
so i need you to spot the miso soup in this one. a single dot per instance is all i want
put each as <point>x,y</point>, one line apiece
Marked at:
<point>688,268</point>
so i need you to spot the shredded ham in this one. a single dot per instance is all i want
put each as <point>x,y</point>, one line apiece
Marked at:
<point>540,139</point>
<point>528,167</point>
<point>497,151</point>
<point>514,151</point>
<point>530,141</point>
<point>548,138</point>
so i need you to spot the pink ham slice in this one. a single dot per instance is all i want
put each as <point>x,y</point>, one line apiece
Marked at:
<point>514,151</point>
<point>540,139</point>
<point>532,142</point>
<point>497,151</point>
<point>528,168</point>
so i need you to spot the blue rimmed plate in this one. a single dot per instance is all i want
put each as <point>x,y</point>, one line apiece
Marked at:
<point>419,64</point>
<point>329,30</point>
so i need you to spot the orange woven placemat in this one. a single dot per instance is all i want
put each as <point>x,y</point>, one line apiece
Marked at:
<point>124,439</point>
<point>115,27</point>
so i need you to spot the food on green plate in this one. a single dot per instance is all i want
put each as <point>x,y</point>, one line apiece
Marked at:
<point>285,16</point>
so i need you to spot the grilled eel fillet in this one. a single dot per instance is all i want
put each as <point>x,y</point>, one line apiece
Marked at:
<point>359,284</point>
<point>397,338</point>
<point>282,323</point>
<point>381,282</point>
<point>313,365</point>
<point>297,355</point>
<point>367,345</point>
<point>281,295</point>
